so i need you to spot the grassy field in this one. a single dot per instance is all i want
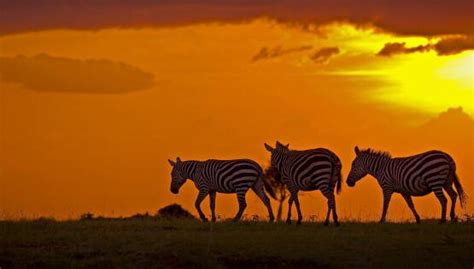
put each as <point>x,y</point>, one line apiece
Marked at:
<point>162,243</point>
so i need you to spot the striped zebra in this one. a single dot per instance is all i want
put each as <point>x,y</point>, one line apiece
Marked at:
<point>416,175</point>
<point>223,176</point>
<point>308,170</point>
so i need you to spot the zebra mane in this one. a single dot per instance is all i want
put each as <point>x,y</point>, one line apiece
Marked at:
<point>377,152</point>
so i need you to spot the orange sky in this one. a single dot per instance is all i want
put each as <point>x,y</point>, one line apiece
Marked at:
<point>88,117</point>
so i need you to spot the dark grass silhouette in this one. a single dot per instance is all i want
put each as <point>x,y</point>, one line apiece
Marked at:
<point>163,242</point>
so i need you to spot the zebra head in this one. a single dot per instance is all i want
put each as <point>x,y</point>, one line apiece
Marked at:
<point>278,154</point>
<point>178,175</point>
<point>358,169</point>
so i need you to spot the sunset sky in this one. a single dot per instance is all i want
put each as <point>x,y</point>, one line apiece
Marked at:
<point>95,96</point>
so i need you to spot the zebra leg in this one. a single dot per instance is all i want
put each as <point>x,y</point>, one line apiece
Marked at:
<point>326,221</point>
<point>242,203</point>
<point>202,194</point>
<point>331,207</point>
<point>290,205</point>
<point>298,209</point>
<point>453,195</point>
<point>261,194</point>
<point>212,202</point>
<point>387,195</point>
<point>443,201</point>
<point>328,214</point>
<point>411,206</point>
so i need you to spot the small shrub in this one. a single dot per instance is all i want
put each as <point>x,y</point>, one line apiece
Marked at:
<point>174,211</point>
<point>87,216</point>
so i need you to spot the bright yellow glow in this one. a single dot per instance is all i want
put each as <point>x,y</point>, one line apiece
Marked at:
<point>422,81</point>
<point>430,82</point>
<point>460,69</point>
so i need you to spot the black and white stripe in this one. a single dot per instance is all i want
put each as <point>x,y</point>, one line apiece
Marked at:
<point>224,176</point>
<point>308,170</point>
<point>418,175</point>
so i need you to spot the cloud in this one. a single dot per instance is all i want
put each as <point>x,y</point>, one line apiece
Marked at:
<point>452,127</point>
<point>446,46</point>
<point>422,17</point>
<point>451,120</point>
<point>449,46</point>
<point>47,73</point>
<point>323,55</point>
<point>390,49</point>
<point>267,53</point>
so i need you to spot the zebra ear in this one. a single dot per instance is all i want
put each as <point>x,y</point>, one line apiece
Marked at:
<point>171,162</point>
<point>178,160</point>
<point>356,150</point>
<point>287,146</point>
<point>268,147</point>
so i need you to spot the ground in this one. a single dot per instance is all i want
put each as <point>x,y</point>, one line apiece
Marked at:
<point>166,243</point>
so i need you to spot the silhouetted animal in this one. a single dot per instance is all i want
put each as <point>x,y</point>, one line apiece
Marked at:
<point>416,175</point>
<point>224,176</point>
<point>314,169</point>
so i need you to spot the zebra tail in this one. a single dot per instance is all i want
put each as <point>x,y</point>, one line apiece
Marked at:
<point>338,176</point>
<point>268,187</point>
<point>339,182</point>
<point>462,195</point>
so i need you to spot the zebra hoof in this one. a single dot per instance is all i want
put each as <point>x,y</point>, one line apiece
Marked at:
<point>298,222</point>
<point>213,220</point>
<point>443,221</point>
<point>288,221</point>
<point>271,220</point>
<point>337,224</point>
<point>204,220</point>
<point>454,220</point>
<point>326,223</point>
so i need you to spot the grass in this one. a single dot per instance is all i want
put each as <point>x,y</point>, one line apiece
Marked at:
<point>166,243</point>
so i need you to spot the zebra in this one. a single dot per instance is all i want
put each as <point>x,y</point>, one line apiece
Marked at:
<point>223,176</point>
<point>314,169</point>
<point>416,175</point>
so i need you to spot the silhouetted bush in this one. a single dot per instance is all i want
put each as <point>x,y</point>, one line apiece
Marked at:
<point>175,211</point>
<point>87,216</point>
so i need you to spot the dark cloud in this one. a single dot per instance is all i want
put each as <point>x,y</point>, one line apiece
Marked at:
<point>323,55</point>
<point>447,46</point>
<point>267,53</point>
<point>456,45</point>
<point>400,48</point>
<point>47,73</point>
<point>422,17</point>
